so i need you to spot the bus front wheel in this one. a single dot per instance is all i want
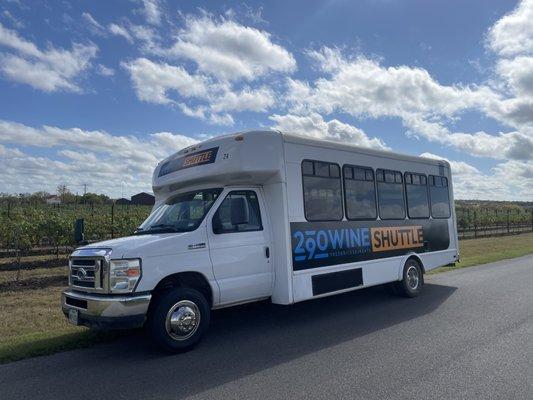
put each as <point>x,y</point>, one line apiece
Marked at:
<point>179,319</point>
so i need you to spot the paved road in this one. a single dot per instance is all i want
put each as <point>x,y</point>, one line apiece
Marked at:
<point>468,336</point>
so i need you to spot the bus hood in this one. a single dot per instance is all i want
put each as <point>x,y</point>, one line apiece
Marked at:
<point>150,245</point>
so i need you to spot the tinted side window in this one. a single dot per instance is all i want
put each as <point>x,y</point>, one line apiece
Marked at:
<point>359,192</point>
<point>390,194</point>
<point>440,199</point>
<point>222,218</point>
<point>322,191</point>
<point>416,191</point>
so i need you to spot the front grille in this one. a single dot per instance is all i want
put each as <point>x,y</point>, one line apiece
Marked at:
<point>86,273</point>
<point>85,284</point>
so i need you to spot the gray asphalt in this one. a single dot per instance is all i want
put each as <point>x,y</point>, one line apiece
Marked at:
<point>468,336</point>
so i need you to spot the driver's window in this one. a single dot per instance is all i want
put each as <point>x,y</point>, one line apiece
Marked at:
<point>248,213</point>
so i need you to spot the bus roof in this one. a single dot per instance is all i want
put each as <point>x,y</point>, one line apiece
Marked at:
<point>329,144</point>
<point>291,137</point>
<point>259,158</point>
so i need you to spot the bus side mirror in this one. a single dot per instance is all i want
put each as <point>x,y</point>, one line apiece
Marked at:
<point>79,230</point>
<point>239,211</point>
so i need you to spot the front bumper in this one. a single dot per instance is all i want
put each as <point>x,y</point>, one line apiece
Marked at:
<point>106,311</point>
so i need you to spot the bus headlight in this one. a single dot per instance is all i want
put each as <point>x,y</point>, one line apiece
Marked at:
<point>124,275</point>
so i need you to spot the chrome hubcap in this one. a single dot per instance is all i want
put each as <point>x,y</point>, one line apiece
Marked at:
<point>183,320</point>
<point>412,277</point>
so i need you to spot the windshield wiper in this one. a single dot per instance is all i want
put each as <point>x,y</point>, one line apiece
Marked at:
<point>156,228</point>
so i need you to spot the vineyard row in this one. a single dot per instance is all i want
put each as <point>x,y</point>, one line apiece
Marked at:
<point>23,227</point>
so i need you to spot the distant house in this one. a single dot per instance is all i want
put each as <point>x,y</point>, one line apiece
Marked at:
<point>143,198</point>
<point>53,199</point>
<point>122,201</point>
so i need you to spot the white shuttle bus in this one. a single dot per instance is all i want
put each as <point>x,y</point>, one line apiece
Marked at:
<point>265,215</point>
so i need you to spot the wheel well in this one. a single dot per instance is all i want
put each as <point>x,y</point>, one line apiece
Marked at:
<point>415,257</point>
<point>194,280</point>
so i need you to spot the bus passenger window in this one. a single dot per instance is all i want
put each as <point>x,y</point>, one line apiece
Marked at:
<point>359,192</point>
<point>417,195</point>
<point>322,191</point>
<point>439,196</point>
<point>390,194</point>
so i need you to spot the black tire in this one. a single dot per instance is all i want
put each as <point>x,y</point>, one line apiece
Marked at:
<point>412,279</point>
<point>187,305</point>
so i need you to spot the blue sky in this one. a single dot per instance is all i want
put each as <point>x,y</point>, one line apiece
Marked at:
<point>97,92</point>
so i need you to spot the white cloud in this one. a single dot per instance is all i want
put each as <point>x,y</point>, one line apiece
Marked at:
<point>313,125</point>
<point>229,50</point>
<point>226,54</point>
<point>152,11</point>
<point>95,141</point>
<point>362,87</point>
<point>511,38</point>
<point>153,80</point>
<point>203,112</point>
<point>519,176</point>
<point>509,145</point>
<point>512,34</point>
<point>147,36</point>
<point>93,24</point>
<point>11,39</point>
<point>509,180</point>
<point>194,112</point>
<point>248,99</point>
<point>14,21</point>
<point>518,73</point>
<point>105,71</point>
<point>111,159</point>
<point>49,70</point>
<point>160,82</point>
<point>458,167</point>
<point>36,74</point>
<point>119,30</point>
<point>221,119</point>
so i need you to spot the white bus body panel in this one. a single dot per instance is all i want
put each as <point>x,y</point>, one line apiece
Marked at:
<point>271,162</point>
<point>252,160</point>
<point>377,271</point>
<point>240,265</point>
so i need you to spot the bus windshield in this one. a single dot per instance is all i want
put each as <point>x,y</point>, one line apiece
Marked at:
<point>181,213</point>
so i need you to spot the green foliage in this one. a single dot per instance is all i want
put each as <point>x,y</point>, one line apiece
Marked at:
<point>26,221</point>
<point>92,198</point>
<point>24,226</point>
<point>488,214</point>
<point>63,193</point>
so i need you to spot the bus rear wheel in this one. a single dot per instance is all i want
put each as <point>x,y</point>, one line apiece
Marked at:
<point>412,279</point>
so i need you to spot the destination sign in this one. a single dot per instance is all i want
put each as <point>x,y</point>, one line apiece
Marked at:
<point>202,157</point>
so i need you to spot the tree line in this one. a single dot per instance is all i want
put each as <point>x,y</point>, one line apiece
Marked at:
<point>62,193</point>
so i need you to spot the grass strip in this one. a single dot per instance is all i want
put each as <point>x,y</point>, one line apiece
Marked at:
<point>49,342</point>
<point>488,250</point>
